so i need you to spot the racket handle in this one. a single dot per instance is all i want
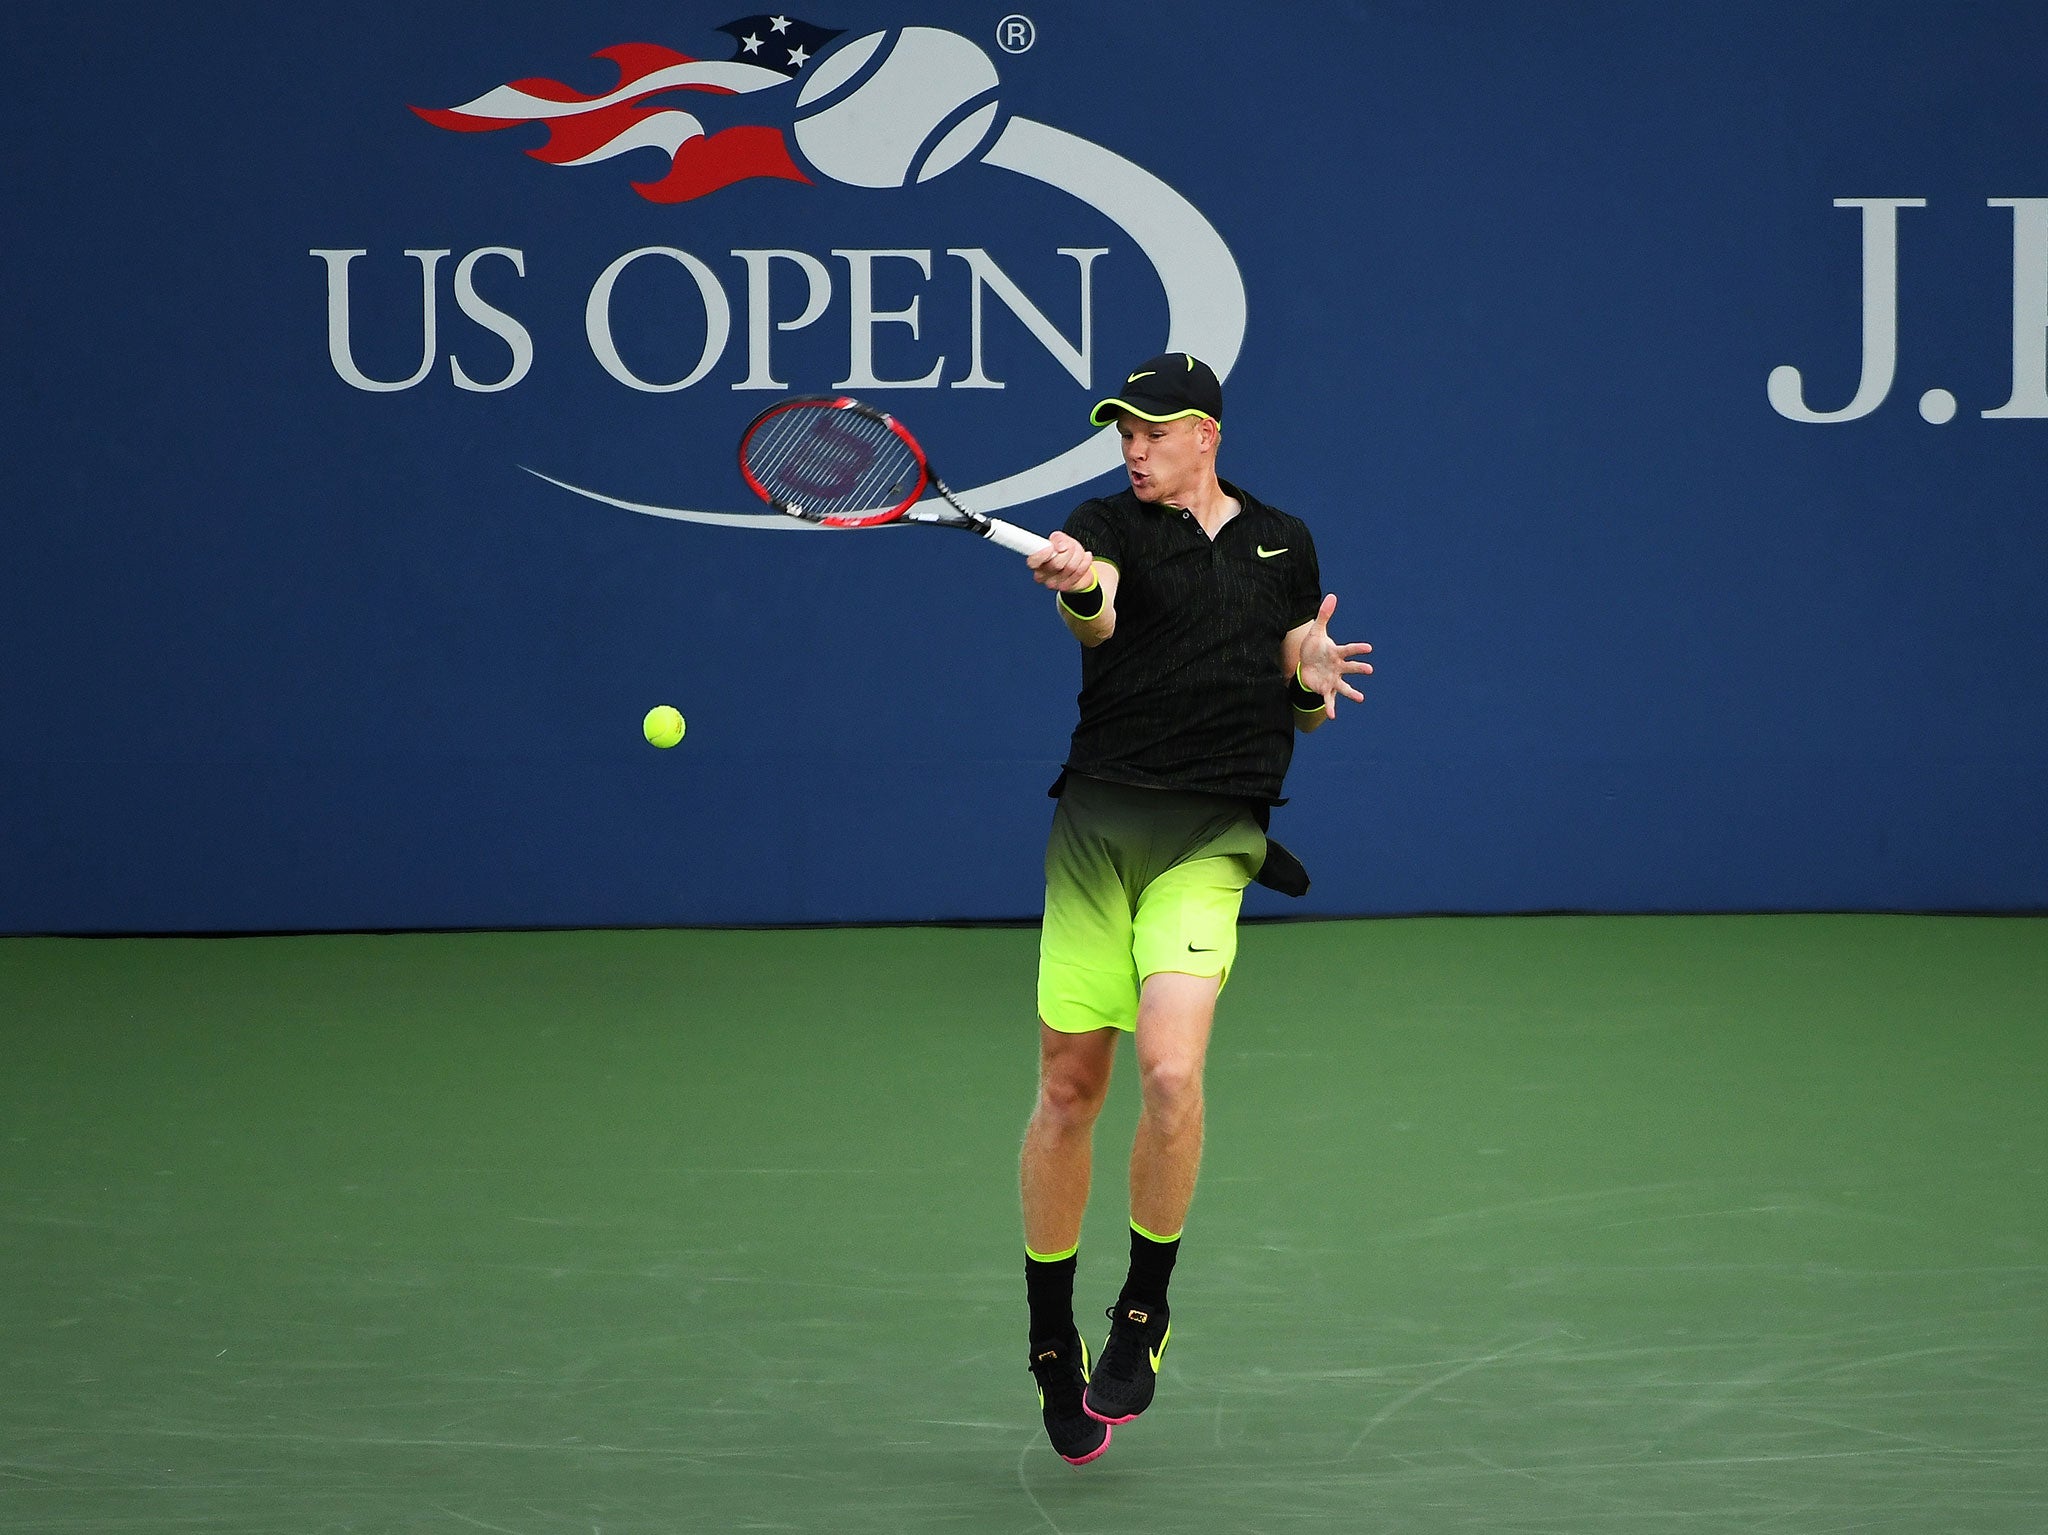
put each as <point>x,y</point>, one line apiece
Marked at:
<point>1010,536</point>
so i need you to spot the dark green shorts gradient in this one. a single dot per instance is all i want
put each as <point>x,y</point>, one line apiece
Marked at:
<point>1138,881</point>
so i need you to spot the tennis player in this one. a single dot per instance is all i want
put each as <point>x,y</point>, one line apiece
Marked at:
<point>1206,648</point>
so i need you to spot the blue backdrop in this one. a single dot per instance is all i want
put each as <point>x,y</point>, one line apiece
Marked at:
<point>1504,283</point>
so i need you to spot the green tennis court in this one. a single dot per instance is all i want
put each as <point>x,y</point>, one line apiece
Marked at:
<point>1528,1224</point>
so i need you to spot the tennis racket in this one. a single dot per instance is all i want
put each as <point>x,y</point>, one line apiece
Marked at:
<point>830,459</point>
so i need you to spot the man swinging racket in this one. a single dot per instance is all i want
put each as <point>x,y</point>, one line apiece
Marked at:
<point>1206,647</point>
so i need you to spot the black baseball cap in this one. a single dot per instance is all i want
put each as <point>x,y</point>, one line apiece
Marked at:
<point>1165,388</point>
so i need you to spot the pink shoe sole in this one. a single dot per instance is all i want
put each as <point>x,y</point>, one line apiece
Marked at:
<point>1099,1418</point>
<point>1094,1454</point>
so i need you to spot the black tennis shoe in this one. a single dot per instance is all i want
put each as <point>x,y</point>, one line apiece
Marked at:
<point>1121,1386</point>
<point>1062,1371</point>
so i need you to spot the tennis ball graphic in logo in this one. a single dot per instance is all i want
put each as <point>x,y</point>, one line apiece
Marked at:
<point>903,121</point>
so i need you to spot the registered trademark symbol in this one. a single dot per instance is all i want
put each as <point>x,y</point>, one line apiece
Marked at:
<point>1015,34</point>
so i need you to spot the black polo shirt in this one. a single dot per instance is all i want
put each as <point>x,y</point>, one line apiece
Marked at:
<point>1188,692</point>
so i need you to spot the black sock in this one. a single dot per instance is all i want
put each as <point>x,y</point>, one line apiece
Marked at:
<point>1049,1285</point>
<point>1151,1270</point>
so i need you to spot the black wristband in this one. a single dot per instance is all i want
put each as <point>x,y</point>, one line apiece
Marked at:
<point>1307,700</point>
<point>1087,602</point>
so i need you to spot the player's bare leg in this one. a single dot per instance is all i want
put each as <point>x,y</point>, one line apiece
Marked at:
<point>1073,1081</point>
<point>1175,1013</point>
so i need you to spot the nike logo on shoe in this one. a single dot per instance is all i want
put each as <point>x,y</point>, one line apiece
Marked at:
<point>1159,1353</point>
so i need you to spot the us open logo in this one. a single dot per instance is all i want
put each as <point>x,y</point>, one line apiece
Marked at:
<point>886,109</point>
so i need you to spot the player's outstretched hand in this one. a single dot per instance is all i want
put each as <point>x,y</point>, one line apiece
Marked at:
<point>1062,565</point>
<point>1325,664</point>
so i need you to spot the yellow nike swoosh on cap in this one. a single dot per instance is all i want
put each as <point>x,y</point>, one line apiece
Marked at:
<point>1267,554</point>
<point>1136,376</point>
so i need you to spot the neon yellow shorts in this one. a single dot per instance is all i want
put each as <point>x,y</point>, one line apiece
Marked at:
<point>1138,881</point>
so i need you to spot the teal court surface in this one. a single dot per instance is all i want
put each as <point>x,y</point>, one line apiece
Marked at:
<point>1526,1225</point>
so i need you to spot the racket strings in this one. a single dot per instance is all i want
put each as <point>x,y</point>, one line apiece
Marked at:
<point>832,462</point>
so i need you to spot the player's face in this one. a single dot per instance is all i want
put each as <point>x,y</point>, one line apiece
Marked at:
<point>1165,459</point>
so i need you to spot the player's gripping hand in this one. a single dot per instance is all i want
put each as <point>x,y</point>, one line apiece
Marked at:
<point>1062,565</point>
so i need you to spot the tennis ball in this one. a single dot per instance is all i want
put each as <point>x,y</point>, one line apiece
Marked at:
<point>879,133</point>
<point>663,726</point>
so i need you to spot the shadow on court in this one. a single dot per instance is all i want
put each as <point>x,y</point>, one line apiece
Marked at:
<point>1527,1224</point>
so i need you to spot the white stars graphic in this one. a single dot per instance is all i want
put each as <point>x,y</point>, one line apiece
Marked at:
<point>750,45</point>
<point>778,23</point>
<point>798,58</point>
